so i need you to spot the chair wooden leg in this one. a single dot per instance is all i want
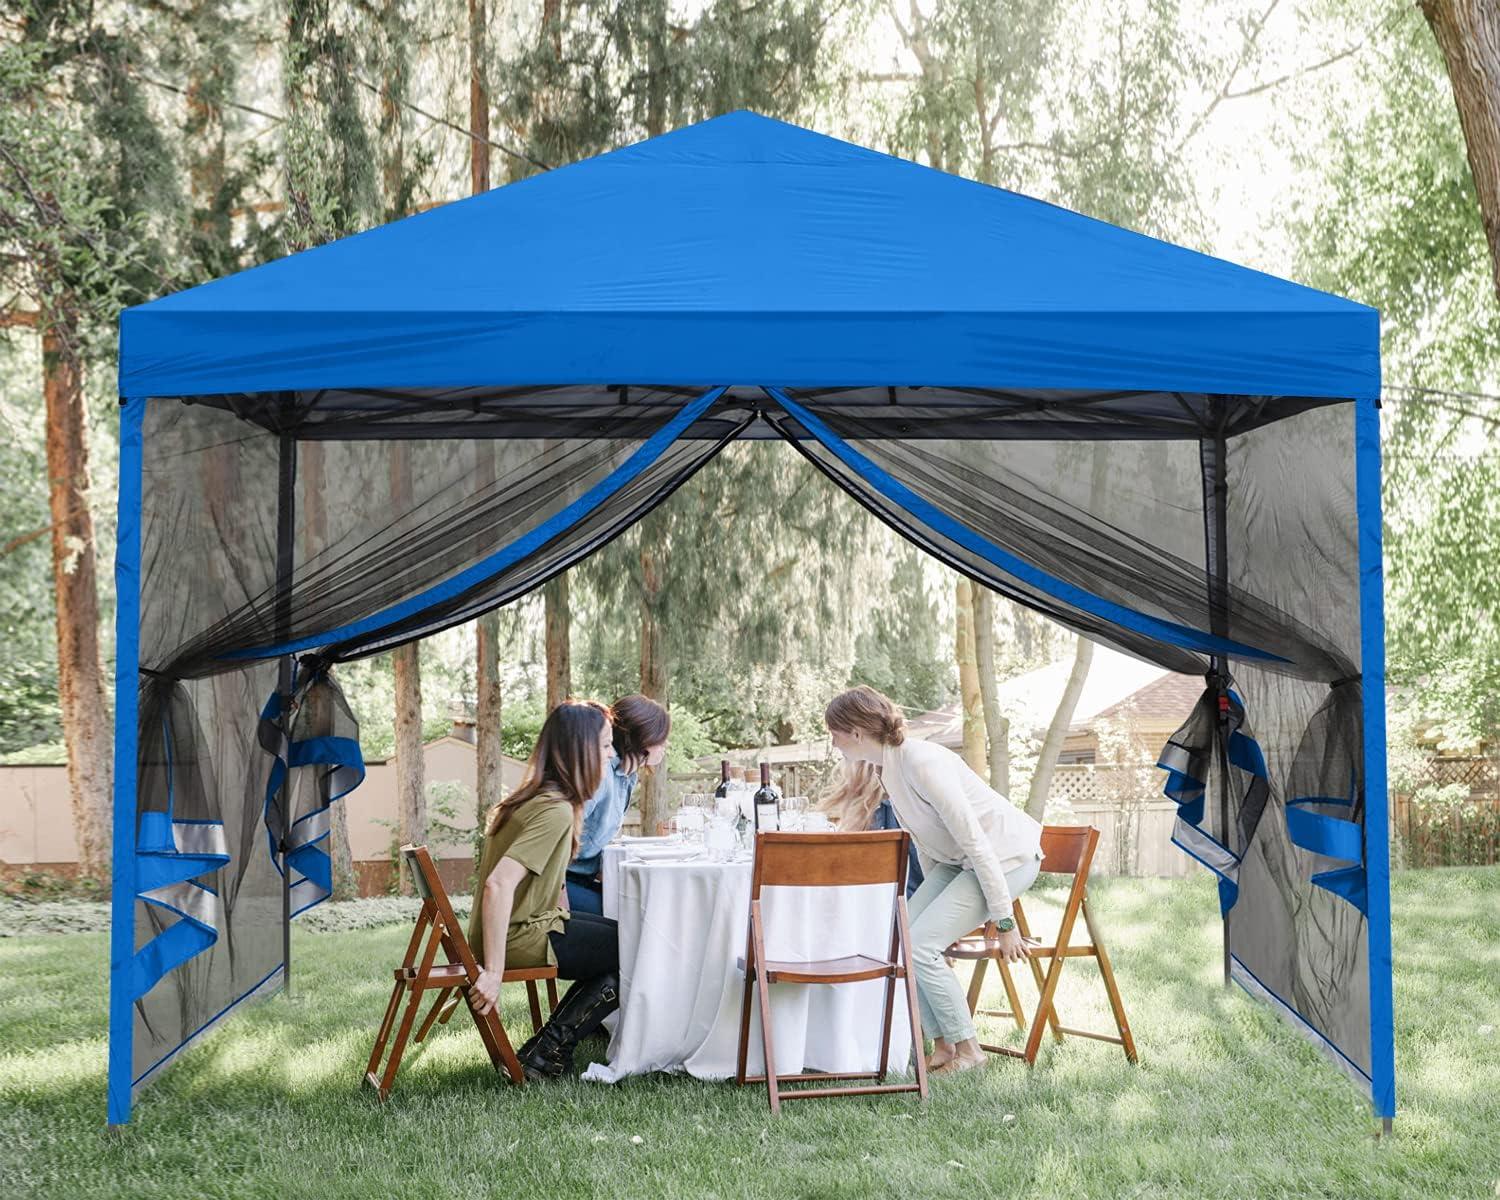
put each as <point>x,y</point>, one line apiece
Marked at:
<point>383,1036</point>
<point>433,1014</point>
<point>1012,996</point>
<point>398,1045</point>
<point>1036,974</point>
<point>913,1007</point>
<point>502,1056</point>
<point>1106,972</point>
<point>885,1027</point>
<point>552,995</point>
<point>740,1071</point>
<point>1049,987</point>
<point>450,1008</point>
<point>976,983</point>
<point>890,995</point>
<point>535,1005</point>
<point>749,998</point>
<point>763,993</point>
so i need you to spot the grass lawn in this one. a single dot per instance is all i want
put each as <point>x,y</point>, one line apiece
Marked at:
<point>1227,1101</point>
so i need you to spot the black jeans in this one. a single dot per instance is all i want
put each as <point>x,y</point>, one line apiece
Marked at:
<point>588,947</point>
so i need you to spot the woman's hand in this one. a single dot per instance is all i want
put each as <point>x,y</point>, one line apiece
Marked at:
<point>1011,945</point>
<point>484,992</point>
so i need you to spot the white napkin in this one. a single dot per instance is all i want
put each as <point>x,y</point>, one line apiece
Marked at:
<point>664,853</point>
<point>637,840</point>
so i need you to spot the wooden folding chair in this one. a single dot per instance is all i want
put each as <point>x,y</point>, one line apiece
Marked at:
<point>1066,850</point>
<point>437,927</point>
<point>821,860</point>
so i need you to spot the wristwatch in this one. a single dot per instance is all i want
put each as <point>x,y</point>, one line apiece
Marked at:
<point>1005,924</point>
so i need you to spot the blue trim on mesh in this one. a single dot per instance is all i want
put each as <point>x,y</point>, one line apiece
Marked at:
<point>276,970</point>
<point>505,558</point>
<point>1377,829</point>
<point>940,522</point>
<point>1319,833</point>
<point>1331,837</point>
<point>309,859</point>
<point>1299,1019</point>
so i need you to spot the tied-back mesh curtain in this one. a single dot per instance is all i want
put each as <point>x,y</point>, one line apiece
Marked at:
<point>407,513</point>
<point>1096,511</point>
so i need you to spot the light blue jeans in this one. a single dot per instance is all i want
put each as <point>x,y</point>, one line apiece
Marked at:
<point>948,905</point>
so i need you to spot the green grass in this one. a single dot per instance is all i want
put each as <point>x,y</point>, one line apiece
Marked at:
<point>1226,1101</point>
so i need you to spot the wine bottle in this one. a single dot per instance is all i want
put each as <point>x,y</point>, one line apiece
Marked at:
<point>722,790</point>
<point>767,803</point>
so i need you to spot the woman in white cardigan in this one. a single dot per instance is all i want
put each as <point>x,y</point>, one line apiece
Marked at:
<point>978,852</point>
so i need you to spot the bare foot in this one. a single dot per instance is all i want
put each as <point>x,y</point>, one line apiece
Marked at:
<point>939,1058</point>
<point>960,1062</point>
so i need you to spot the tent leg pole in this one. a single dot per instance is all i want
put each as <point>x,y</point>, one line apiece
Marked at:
<point>286,531</point>
<point>1214,453</point>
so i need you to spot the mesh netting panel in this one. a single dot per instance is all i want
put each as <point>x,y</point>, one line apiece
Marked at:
<point>1293,538</point>
<point>238,569</point>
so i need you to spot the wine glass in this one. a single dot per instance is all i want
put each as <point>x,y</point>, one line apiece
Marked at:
<point>688,824</point>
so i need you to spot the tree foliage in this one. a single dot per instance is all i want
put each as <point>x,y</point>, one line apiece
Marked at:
<point>1398,227</point>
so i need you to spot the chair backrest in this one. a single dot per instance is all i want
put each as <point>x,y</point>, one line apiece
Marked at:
<point>830,859</point>
<point>424,876</point>
<point>430,887</point>
<point>1068,849</point>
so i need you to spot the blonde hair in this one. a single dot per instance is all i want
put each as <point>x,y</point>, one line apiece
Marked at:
<point>853,801</point>
<point>864,710</point>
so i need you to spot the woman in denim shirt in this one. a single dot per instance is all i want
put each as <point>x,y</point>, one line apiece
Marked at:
<point>640,728</point>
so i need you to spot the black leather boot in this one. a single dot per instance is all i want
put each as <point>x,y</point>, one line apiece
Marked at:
<point>549,1054</point>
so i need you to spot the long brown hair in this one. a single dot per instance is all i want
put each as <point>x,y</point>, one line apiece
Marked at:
<point>855,797</point>
<point>864,710</point>
<point>639,723</point>
<point>566,761</point>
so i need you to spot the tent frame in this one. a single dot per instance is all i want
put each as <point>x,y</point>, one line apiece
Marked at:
<point>1213,451</point>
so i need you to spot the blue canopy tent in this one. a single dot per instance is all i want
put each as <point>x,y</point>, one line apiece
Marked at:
<point>359,445</point>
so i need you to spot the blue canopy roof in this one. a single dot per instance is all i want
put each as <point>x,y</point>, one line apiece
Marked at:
<point>747,251</point>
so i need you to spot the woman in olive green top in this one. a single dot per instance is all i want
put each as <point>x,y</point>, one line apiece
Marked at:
<point>521,916</point>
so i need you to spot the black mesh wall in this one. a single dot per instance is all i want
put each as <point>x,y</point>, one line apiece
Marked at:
<point>339,524</point>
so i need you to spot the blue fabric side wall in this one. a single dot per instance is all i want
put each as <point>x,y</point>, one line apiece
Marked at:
<point>1377,824</point>
<point>127,663</point>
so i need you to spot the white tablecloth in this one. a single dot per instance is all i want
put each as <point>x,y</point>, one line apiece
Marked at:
<point>682,928</point>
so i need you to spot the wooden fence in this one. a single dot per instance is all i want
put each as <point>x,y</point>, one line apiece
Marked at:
<point>1461,826</point>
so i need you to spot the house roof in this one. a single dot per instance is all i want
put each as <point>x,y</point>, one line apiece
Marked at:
<point>1032,698</point>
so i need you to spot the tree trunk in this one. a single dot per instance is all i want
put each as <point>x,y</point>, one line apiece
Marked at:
<point>655,665</point>
<point>312,482</point>
<point>1468,34</point>
<point>479,101</point>
<point>489,756</point>
<point>559,641</point>
<point>411,789</point>
<point>489,781</point>
<point>85,716</point>
<point>1083,658</point>
<point>968,679</point>
<point>392,128</point>
<point>204,130</point>
<point>996,727</point>
<point>1057,731</point>
<point>411,782</point>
